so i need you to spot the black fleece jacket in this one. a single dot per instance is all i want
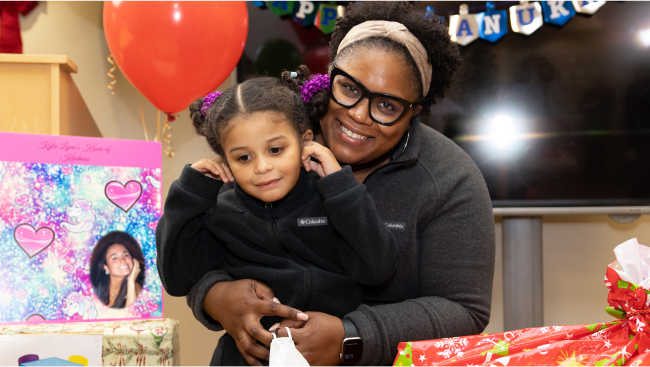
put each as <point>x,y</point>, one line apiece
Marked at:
<point>315,247</point>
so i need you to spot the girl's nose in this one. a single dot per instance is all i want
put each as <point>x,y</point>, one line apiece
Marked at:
<point>263,166</point>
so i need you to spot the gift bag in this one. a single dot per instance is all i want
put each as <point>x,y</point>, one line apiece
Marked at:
<point>624,341</point>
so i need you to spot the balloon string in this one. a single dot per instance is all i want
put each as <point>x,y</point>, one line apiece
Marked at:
<point>169,150</point>
<point>158,127</point>
<point>144,126</point>
<point>110,71</point>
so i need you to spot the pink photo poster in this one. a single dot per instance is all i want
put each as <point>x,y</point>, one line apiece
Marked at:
<point>77,228</point>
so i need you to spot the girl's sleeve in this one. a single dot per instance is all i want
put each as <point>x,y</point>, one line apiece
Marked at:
<point>456,269</point>
<point>186,249</point>
<point>369,251</point>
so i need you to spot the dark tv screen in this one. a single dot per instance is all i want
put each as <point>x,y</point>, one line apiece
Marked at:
<point>560,117</point>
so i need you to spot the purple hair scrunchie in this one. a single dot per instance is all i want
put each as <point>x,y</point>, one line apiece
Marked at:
<point>315,84</point>
<point>208,101</point>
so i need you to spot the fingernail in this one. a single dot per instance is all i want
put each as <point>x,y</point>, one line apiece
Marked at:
<point>274,327</point>
<point>276,300</point>
<point>302,316</point>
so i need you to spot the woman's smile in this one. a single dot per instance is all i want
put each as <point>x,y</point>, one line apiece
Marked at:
<point>351,135</point>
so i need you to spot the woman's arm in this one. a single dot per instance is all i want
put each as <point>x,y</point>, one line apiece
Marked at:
<point>186,250</point>
<point>369,251</point>
<point>132,287</point>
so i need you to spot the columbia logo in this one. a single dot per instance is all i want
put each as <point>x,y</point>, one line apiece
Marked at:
<point>316,221</point>
<point>395,225</point>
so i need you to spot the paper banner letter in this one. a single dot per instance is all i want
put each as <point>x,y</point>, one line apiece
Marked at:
<point>281,8</point>
<point>588,7</point>
<point>526,18</point>
<point>463,28</point>
<point>326,17</point>
<point>493,24</point>
<point>305,13</point>
<point>558,12</point>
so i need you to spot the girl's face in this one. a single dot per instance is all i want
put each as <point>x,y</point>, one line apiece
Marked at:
<point>118,261</point>
<point>263,153</point>
<point>382,72</point>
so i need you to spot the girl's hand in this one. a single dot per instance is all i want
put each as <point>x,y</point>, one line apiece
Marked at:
<point>328,163</point>
<point>135,271</point>
<point>216,168</point>
<point>239,306</point>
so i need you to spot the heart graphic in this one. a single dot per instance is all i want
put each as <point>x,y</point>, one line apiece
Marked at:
<point>152,306</point>
<point>35,318</point>
<point>20,294</point>
<point>33,241</point>
<point>123,196</point>
<point>68,268</point>
<point>22,199</point>
<point>152,225</point>
<point>66,170</point>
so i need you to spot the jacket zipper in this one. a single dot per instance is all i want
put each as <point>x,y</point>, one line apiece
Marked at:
<point>269,206</point>
<point>310,288</point>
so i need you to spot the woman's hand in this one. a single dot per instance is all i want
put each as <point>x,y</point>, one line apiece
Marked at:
<point>328,163</point>
<point>216,168</point>
<point>135,271</point>
<point>318,340</point>
<point>238,306</point>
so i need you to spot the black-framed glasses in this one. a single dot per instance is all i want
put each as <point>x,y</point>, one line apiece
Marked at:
<point>383,109</point>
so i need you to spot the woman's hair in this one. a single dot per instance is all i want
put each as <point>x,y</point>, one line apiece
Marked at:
<point>98,277</point>
<point>281,96</point>
<point>442,53</point>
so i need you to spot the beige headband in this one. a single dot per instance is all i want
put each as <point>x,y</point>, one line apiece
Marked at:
<point>399,33</point>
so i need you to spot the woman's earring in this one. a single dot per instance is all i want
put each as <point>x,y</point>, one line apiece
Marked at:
<point>107,272</point>
<point>408,135</point>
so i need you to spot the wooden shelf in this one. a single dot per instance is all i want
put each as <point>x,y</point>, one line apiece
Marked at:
<point>38,95</point>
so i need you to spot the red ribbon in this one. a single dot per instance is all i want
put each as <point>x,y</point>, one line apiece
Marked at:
<point>10,41</point>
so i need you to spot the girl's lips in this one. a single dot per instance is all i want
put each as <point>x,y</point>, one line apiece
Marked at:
<point>348,140</point>
<point>268,183</point>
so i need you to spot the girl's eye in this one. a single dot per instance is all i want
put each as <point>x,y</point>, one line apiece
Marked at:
<point>244,158</point>
<point>275,150</point>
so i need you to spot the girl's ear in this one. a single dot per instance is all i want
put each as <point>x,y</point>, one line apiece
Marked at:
<point>307,136</point>
<point>106,268</point>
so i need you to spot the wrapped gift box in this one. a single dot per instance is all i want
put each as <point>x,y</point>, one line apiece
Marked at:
<point>132,343</point>
<point>625,341</point>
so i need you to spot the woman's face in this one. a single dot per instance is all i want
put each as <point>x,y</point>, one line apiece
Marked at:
<point>118,261</point>
<point>382,72</point>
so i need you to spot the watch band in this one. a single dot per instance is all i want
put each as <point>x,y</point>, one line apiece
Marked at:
<point>350,329</point>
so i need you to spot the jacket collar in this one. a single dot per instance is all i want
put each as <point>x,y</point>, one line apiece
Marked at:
<point>278,208</point>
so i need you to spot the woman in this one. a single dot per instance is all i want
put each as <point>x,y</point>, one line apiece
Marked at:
<point>428,191</point>
<point>117,269</point>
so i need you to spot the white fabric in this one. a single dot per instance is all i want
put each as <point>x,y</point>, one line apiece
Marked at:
<point>399,33</point>
<point>284,353</point>
<point>633,263</point>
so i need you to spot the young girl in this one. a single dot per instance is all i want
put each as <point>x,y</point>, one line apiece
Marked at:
<point>313,235</point>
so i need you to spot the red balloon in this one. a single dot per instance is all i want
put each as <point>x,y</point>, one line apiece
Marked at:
<point>317,59</point>
<point>175,52</point>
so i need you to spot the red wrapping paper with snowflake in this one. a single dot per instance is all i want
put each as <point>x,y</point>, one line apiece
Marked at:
<point>622,342</point>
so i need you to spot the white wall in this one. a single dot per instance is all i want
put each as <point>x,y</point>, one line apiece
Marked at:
<point>576,249</point>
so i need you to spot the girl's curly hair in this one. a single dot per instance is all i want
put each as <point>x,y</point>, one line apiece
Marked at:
<point>281,96</point>
<point>443,54</point>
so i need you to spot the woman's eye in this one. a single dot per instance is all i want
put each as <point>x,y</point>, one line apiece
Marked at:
<point>351,88</point>
<point>275,150</point>
<point>244,158</point>
<point>386,106</point>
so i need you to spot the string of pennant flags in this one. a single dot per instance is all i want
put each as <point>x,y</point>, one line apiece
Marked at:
<point>464,28</point>
<point>525,18</point>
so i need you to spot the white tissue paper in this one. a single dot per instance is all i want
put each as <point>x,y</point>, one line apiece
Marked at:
<point>284,353</point>
<point>633,263</point>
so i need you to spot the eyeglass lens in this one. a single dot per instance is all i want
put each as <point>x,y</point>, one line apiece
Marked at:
<point>347,93</point>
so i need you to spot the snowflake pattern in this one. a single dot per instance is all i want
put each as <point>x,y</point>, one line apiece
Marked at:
<point>453,346</point>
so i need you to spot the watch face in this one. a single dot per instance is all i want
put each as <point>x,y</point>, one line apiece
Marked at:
<point>352,350</point>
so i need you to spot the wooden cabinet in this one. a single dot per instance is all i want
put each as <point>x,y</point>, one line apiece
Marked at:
<point>38,95</point>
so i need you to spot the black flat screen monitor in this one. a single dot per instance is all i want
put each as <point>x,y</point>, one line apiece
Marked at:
<point>560,118</point>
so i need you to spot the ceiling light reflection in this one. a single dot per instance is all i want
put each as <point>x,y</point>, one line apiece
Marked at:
<point>644,35</point>
<point>502,131</point>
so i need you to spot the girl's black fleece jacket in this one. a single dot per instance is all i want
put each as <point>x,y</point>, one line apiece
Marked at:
<point>315,247</point>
